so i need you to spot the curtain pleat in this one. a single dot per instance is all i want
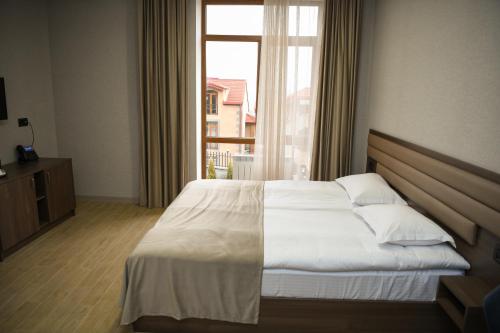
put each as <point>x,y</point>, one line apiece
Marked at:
<point>163,90</point>
<point>288,82</point>
<point>333,132</point>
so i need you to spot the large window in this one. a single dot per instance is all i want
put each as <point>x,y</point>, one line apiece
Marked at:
<point>231,39</point>
<point>211,102</point>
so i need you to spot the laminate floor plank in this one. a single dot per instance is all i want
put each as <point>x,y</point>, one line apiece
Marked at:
<point>69,279</point>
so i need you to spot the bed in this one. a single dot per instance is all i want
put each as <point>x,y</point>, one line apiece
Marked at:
<point>333,276</point>
<point>316,247</point>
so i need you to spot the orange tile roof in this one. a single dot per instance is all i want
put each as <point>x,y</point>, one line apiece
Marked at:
<point>249,118</point>
<point>216,86</point>
<point>237,89</point>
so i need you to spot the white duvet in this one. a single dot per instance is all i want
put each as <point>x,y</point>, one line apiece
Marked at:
<point>310,226</point>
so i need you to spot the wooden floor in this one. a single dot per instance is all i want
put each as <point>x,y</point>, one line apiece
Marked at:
<point>69,279</point>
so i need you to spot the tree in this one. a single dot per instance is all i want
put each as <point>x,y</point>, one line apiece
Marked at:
<point>211,170</point>
<point>229,170</point>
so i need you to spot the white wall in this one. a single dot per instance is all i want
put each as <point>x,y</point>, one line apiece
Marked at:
<point>25,65</point>
<point>435,78</point>
<point>94,65</point>
<point>73,65</point>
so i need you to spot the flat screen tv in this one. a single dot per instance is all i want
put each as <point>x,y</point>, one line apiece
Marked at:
<point>3,102</point>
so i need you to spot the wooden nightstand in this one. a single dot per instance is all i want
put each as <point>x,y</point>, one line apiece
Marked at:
<point>461,297</point>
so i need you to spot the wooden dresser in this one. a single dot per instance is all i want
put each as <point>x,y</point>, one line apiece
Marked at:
<point>34,197</point>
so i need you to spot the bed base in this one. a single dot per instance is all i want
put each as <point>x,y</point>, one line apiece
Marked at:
<point>317,316</point>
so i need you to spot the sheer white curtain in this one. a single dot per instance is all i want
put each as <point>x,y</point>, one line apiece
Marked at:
<point>288,82</point>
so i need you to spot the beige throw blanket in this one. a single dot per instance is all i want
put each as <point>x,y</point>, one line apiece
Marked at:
<point>204,257</point>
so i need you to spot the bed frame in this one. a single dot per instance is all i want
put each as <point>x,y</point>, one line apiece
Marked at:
<point>462,198</point>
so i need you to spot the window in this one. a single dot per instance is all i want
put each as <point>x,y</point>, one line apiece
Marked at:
<point>231,39</point>
<point>212,131</point>
<point>212,128</point>
<point>211,102</point>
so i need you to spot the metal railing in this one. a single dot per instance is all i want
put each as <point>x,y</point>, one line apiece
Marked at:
<point>241,164</point>
<point>221,159</point>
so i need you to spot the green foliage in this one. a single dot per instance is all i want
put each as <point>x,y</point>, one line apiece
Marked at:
<point>229,170</point>
<point>211,169</point>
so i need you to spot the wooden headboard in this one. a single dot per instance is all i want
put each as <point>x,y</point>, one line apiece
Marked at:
<point>463,198</point>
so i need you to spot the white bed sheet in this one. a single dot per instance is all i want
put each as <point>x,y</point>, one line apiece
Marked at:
<point>315,246</point>
<point>377,285</point>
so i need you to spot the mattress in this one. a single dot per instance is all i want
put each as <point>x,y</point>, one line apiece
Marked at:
<point>375,285</point>
<point>316,247</point>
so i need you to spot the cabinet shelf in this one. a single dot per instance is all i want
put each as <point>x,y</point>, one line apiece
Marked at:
<point>461,298</point>
<point>452,311</point>
<point>35,196</point>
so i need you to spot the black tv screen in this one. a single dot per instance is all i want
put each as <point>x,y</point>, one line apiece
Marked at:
<point>3,102</point>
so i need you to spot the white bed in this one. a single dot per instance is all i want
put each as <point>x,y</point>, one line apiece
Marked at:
<point>316,247</point>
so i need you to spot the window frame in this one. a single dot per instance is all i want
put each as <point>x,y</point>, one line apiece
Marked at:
<point>209,110</point>
<point>222,38</point>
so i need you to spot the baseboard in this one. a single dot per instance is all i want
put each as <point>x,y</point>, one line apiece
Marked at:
<point>108,199</point>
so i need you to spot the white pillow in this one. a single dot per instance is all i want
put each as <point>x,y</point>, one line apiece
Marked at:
<point>369,189</point>
<point>402,225</point>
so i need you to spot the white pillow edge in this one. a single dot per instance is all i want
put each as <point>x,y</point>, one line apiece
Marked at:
<point>398,200</point>
<point>384,239</point>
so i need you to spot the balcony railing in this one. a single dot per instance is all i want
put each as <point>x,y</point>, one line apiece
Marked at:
<point>241,164</point>
<point>221,159</point>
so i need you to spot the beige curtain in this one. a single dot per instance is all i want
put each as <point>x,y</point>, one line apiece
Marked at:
<point>337,93</point>
<point>288,82</point>
<point>163,89</point>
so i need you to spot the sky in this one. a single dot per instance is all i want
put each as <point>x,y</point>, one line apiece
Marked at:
<point>234,60</point>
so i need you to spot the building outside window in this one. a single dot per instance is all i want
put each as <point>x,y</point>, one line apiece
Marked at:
<point>211,102</point>
<point>212,131</point>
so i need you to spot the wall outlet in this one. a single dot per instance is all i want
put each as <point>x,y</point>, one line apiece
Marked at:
<point>496,253</point>
<point>21,122</point>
